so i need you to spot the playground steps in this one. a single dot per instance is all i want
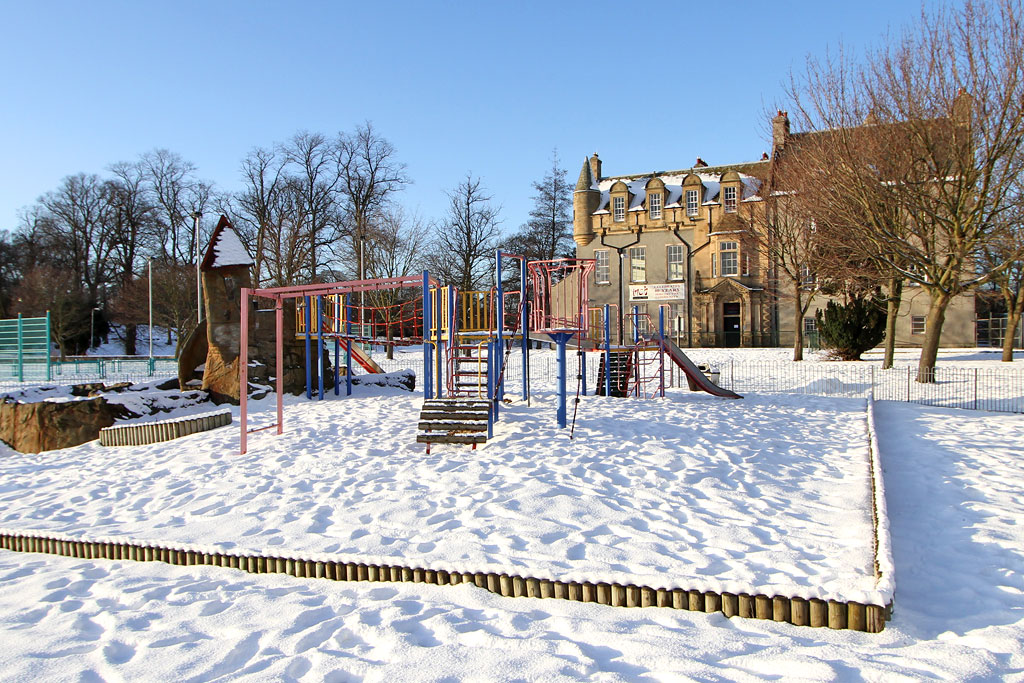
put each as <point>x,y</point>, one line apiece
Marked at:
<point>453,420</point>
<point>469,371</point>
<point>621,363</point>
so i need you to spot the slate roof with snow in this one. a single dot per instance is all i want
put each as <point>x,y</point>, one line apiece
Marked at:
<point>226,248</point>
<point>673,189</point>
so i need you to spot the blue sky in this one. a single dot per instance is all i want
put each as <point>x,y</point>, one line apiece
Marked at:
<point>474,87</point>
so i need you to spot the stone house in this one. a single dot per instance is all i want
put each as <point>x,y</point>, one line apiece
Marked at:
<point>681,241</point>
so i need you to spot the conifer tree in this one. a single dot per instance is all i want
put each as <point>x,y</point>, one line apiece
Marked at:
<point>851,329</point>
<point>547,234</point>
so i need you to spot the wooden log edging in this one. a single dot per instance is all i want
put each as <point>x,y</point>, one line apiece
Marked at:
<point>884,564</point>
<point>797,611</point>
<point>164,430</point>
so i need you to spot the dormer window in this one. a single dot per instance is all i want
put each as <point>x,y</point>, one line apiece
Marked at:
<point>619,209</point>
<point>692,203</point>
<point>654,205</point>
<point>729,199</point>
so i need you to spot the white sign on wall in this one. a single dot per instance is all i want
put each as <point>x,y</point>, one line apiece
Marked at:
<point>664,292</point>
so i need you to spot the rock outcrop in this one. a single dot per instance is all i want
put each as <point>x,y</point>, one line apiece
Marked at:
<point>49,425</point>
<point>225,272</point>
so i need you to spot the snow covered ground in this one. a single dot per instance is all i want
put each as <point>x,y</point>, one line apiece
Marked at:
<point>766,495</point>
<point>114,345</point>
<point>760,491</point>
<point>954,496</point>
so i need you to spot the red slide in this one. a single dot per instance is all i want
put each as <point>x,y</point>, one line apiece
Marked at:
<point>691,370</point>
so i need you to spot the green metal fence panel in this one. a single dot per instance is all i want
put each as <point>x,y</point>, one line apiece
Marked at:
<point>24,340</point>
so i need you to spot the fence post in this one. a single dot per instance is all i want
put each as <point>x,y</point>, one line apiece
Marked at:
<point>975,388</point>
<point>872,380</point>
<point>908,384</point>
<point>21,350</point>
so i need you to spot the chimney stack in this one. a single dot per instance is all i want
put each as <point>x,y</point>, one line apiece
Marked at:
<point>780,130</point>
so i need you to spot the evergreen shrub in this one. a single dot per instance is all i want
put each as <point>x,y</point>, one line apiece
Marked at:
<point>851,329</point>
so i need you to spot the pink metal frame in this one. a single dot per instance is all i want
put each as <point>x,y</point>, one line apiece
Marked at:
<point>564,315</point>
<point>278,295</point>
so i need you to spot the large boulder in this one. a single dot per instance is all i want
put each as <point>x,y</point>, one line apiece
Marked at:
<point>48,425</point>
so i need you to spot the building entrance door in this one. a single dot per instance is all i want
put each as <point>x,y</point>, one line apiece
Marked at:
<point>731,323</point>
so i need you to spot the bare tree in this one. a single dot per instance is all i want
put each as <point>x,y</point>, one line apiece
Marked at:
<point>176,194</point>
<point>287,242</point>
<point>10,270</point>
<point>834,176</point>
<point>370,175</point>
<point>395,249</point>
<point>314,184</point>
<point>948,95</point>
<point>787,238</point>
<point>79,226</point>
<point>50,288</point>
<point>466,237</point>
<point>259,205</point>
<point>132,232</point>
<point>174,307</point>
<point>1009,280</point>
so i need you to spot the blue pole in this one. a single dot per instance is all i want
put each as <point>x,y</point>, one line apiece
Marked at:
<point>427,373</point>
<point>607,351</point>
<point>348,349</point>
<point>492,412</point>
<point>320,345</point>
<point>309,351</point>
<point>524,317</point>
<point>560,340</point>
<point>337,366</point>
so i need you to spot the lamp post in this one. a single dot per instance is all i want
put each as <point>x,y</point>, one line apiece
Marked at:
<point>196,215</point>
<point>149,264</point>
<point>92,325</point>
